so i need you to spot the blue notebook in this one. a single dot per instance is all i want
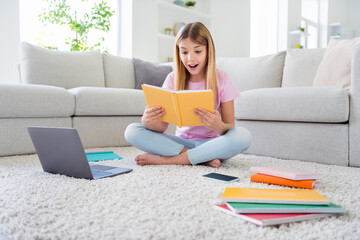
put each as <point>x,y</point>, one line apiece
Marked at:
<point>102,156</point>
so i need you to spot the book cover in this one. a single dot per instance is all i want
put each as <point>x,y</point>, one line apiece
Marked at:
<point>262,178</point>
<point>284,208</point>
<point>272,219</point>
<point>283,196</point>
<point>288,173</point>
<point>179,105</point>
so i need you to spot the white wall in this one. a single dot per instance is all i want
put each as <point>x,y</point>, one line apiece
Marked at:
<point>9,39</point>
<point>346,12</point>
<point>323,20</point>
<point>145,28</point>
<point>337,12</point>
<point>294,21</point>
<point>230,27</point>
<point>353,20</point>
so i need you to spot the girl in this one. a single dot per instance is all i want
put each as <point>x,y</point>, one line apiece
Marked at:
<point>217,139</point>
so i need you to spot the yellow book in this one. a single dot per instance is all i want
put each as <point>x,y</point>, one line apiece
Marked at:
<point>285,196</point>
<point>179,105</point>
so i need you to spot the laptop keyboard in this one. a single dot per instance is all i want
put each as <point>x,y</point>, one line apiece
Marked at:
<point>100,167</point>
<point>99,174</point>
<point>100,171</point>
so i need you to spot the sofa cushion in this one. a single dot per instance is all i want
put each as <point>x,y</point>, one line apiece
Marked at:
<point>251,73</point>
<point>60,68</point>
<point>108,101</point>
<point>300,66</point>
<point>297,104</point>
<point>119,72</point>
<point>149,73</point>
<point>335,68</point>
<point>30,100</point>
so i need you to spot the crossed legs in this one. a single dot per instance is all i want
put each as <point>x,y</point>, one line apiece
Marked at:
<point>165,149</point>
<point>181,159</point>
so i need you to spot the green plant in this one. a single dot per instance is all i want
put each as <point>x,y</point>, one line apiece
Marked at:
<point>190,3</point>
<point>301,29</point>
<point>168,30</point>
<point>59,12</point>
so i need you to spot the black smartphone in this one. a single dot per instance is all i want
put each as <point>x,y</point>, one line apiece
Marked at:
<point>221,177</point>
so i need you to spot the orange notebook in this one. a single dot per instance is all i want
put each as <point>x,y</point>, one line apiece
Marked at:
<point>286,196</point>
<point>262,178</point>
<point>179,105</point>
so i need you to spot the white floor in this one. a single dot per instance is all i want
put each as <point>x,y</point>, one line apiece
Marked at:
<point>157,202</point>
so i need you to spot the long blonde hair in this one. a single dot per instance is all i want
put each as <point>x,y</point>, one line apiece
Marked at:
<point>198,33</point>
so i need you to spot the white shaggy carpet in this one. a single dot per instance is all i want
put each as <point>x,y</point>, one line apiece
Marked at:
<point>157,202</point>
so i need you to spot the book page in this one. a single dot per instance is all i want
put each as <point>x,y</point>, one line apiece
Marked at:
<point>156,96</point>
<point>189,100</point>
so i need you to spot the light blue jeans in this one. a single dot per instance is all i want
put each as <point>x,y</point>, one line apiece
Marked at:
<point>233,142</point>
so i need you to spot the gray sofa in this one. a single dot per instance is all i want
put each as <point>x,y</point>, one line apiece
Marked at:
<point>94,93</point>
<point>290,118</point>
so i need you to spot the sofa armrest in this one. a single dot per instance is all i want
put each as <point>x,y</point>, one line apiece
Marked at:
<point>354,120</point>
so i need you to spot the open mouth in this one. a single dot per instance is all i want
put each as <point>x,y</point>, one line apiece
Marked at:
<point>193,66</point>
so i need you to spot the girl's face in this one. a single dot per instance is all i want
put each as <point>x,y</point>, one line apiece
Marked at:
<point>193,56</point>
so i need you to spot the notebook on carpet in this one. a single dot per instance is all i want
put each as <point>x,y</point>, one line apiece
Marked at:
<point>284,208</point>
<point>272,219</point>
<point>101,156</point>
<point>288,173</point>
<point>262,178</point>
<point>284,196</point>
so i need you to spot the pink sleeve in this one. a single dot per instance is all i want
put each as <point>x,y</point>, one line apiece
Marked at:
<point>228,89</point>
<point>169,81</point>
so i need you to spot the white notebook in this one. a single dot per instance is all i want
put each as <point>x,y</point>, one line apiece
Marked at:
<point>288,173</point>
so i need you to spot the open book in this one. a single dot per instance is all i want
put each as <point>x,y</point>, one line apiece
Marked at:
<point>179,105</point>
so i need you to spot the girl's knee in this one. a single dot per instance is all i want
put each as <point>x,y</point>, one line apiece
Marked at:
<point>131,131</point>
<point>241,137</point>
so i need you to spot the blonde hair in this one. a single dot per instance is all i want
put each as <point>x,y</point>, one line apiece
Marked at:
<point>198,33</point>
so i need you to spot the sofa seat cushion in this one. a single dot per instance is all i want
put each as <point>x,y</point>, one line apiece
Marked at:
<point>294,104</point>
<point>31,101</point>
<point>94,101</point>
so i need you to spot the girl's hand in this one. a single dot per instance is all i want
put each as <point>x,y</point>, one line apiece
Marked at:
<point>152,115</point>
<point>211,121</point>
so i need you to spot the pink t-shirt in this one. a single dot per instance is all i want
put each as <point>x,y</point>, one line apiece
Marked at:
<point>227,91</point>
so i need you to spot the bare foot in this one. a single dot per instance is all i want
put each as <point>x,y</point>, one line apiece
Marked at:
<point>148,159</point>
<point>215,163</point>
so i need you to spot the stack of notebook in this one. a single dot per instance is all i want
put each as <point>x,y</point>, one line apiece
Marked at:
<point>266,207</point>
<point>284,177</point>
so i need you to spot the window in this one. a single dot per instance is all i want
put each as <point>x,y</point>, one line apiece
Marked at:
<point>263,27</point>
<point>32,30</point>
<point>314,19</point>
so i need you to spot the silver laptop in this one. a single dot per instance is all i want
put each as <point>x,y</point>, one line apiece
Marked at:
<point>61,152</point>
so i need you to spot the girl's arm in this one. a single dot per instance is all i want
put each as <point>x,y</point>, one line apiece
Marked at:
<point>151,119</point>
<point>214,122</point>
